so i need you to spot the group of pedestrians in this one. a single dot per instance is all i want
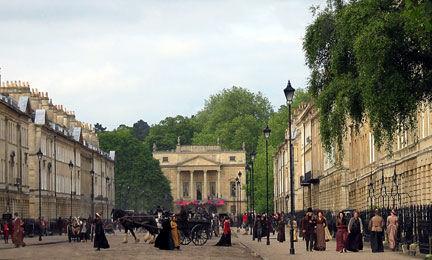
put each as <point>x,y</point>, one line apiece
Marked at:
<point>15,230</point>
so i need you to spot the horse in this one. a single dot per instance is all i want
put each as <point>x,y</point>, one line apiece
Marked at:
<point>131,221</point>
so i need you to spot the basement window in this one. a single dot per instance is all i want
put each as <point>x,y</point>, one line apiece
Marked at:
<point>164,159</point>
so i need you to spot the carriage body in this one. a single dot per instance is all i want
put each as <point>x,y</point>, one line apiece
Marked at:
<point>197,231</point>
<point>74,230</point>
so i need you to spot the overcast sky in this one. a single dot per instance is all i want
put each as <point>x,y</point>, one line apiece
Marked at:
<point>116,62</point>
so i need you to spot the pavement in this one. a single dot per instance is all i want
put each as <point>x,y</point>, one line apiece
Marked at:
<point>277,250</point>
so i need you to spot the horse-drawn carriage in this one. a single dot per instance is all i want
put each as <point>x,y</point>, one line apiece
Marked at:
<point>194,230</point>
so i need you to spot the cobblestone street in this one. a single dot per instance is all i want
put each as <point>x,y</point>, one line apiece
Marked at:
<point>56,247</point>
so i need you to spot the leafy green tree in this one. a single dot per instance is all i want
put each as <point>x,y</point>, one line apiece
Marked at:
<point>140,184</point>
<point>99,128</point>
<point>278,124</point>
<point>165,133</point>
<point>370,60</point>
<point>140,129</point>
<point>233,116</point>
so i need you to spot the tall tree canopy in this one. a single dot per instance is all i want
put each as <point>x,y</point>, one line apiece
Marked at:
<point>233,116</point>
<point>140,129</point>
<point>165,133</point>
<point>140,184</point>
<point>369,60</point>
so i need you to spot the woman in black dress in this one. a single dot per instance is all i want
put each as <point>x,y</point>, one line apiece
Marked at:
<point>100,240</point>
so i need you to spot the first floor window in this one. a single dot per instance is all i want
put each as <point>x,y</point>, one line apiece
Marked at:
<point>185,189</point>
<point>212,188</point>
<point>233,208</point>
<point>233,189</point>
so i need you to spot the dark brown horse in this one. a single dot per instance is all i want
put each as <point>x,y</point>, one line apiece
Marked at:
<point>131,221</point>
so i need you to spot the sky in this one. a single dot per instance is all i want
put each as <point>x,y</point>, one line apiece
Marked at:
<point>116,62</point>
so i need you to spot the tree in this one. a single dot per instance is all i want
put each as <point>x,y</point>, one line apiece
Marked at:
<point>99,128</point>
<point>278,124</point>
<point>370,61</point>
<point>135,168</point>
<point>232,116</point>
<point>140,129</point>
<point>165,133</point>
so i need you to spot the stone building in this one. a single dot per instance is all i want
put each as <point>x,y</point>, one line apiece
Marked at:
<point>70,151</point>
<point>361,176</point>
<point>203,173</point>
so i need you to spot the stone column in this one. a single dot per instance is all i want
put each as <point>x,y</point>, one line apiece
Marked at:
<point>178,185</point>
<point>191,192</point>
<point>205,186</point>
<point>218,184</point>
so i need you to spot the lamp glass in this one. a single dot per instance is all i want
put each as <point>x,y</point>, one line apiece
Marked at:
<point>289,93</point>
<point>266,132</point>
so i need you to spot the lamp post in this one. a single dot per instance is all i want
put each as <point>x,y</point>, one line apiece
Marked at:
<point>107,179</point>
<point>236,200</point>
<point>266,132</point>
<point>247,169</point>
<point>71,165</point>
<point>289,95</point>
<point>92,174</point>
<point>252,156</point>
<point>239,184</point>
<point>39,156</point>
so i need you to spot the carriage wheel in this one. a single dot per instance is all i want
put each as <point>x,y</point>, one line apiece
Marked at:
<point>199,235</point>
<point>184,240</point>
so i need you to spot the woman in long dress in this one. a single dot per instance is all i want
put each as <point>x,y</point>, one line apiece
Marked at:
<point>392,227</point>
<point>280,228</point>
<point>354,241</point>
<point>175,233</point>
<point>225,239</point>
<point>164,240</point>
<point>18,231</point>
<point>100,240</point>
<point>321,223</point>
<point>341,233</point>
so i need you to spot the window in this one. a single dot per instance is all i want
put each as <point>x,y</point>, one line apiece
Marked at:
<point>164,159</point>
<point>185,189</point>
<point>371,148</point>
<point>232,158</point>
<point>233,189</point>
<point>199,191</point>
<point>212,188</point>
<point>233,209</point>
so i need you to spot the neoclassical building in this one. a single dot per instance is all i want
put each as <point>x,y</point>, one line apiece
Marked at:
<point>71,162</point>
<point>362,176</point>
<point>200,173</point>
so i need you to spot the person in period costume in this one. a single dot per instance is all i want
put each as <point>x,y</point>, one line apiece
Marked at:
<point>100,240</point>
<point>225,239</point>
<point>258,229</point>
<point>376,226</point>
<point>18,231</point>
<point>164,240</point>
<point>320,226</point>
<point>392,229</point>
<point>354,241</point>
<point>6,232</point>
<point>280,228</point>
<point>83,232</point>
<point>341,232</point>
<point>308,224</point>
<point>175,232</point>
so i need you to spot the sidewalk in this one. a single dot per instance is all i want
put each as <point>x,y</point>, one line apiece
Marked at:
<point>277,250</point>
<point>34,241</point>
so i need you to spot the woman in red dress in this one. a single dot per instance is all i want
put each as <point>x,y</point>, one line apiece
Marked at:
<point>342,232</point>
<point>225,239</point>
<point>6,232</point>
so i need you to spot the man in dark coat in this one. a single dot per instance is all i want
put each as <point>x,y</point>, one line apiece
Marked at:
<point>308,224</point>
<point>100,240</point>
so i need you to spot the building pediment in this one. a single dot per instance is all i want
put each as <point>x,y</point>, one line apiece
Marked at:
<point>198,161</point>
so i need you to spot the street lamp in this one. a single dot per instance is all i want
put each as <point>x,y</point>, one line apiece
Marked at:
<point>252,156</point>
<point>239,184</point>
<point>92,174</point>
<point>248,180</point>
<point>289,95</point>
<point>266,132</point>
<point>39,156</point>
<point>107,179</point>
<point>71,165</point>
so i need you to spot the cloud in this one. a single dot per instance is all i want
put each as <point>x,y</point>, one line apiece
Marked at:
<point>115,62</point>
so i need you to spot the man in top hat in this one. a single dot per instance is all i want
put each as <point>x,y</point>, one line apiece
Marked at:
<point>308,224</point>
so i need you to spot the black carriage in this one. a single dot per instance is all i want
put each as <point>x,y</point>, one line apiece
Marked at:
<point>196,231</point>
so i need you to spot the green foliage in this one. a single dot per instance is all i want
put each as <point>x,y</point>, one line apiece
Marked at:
<point>278,123</point>
<point>165,133</point>
<point>99,128</point>
<point>234,116</point>
<point>140,184</point>
<point>140,129</point>
<point>369,59</point>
